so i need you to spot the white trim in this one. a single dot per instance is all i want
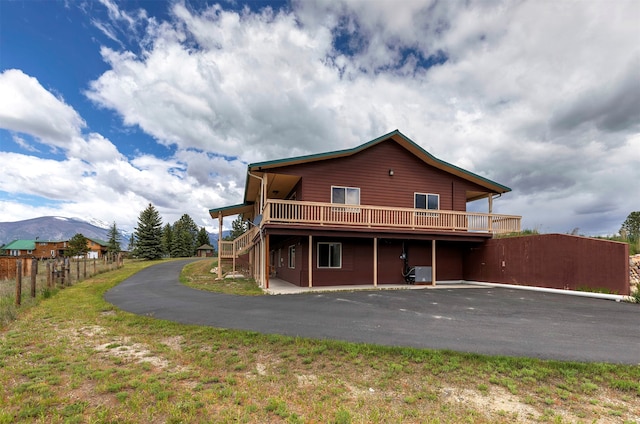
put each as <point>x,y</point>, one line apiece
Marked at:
<point>345,194</point>
<point>318,255</point>
<point>426,200</point>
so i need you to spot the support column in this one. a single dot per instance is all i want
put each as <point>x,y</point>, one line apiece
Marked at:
<point>490,218</point>
<point>310,261</point>
<point>433,262</point>
<point>266,261</point>
<point>375,262</point>
<point>220,245</point>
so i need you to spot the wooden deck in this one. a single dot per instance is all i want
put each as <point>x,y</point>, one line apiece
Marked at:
<point>292,213</point>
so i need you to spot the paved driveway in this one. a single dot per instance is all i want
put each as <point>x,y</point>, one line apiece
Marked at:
<point>482,320</point>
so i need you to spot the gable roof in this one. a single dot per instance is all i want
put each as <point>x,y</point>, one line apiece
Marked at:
<point>252,185</point>
<point>400,139</point>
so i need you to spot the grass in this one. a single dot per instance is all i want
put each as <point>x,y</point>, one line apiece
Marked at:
<point>198,276</point>
<point>75,358</point>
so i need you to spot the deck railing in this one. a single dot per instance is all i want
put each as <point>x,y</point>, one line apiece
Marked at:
<point>331,214</point>
<point>231,249</point>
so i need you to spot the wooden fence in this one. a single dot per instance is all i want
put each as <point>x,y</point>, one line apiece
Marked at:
<point>47,274</point>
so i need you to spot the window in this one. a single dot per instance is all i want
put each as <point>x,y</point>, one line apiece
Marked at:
<point>329,255</point>
<point>292,257</point>
<point>345,195</point>
<point>427,201</point>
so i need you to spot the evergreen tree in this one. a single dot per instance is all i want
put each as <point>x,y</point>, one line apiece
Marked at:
<point>167,239</point>
<point>148,234</point>
<point>185,237</point>
<point>238,228</point>
<point>78,246</point>
<point>113,245</point>
<point>203,237</point>
<point>132,243</point>
<point>631,227</point>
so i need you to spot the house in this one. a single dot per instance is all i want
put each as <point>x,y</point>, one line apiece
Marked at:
<point>97,248</point>
<point>205,251</point>
<point>384,212</point>
<point>35,248</point>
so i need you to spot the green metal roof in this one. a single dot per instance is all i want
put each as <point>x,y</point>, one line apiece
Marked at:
<point>21,245</point>
<point>98,241</point>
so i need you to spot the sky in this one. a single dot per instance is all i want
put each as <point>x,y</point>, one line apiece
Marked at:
<point>107,106</point>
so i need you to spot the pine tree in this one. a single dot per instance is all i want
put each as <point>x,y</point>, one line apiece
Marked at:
<point>238,228</point>
<point>78,246</point>
<point>185,237</point>
<point>113,245</point>
<point>148,234</point>
<point>167,239</point>
<point>203,237</point>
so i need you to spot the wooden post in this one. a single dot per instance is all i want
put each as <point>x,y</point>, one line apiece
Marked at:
<point>18,281</point>
<point>84,268</point>
<point>49,285</point>
<point>94,267</point>
<point>77,269</point>
<point>310,261</point>
<point>433,262</point>
<point>67,270</point>
<point>34,274</point>
<point>220,222</point>
<point>267,257</point>
<point>375,262</point>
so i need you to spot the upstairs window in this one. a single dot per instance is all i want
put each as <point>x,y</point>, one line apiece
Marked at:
<point>427,201</point>
<point>345,195</point>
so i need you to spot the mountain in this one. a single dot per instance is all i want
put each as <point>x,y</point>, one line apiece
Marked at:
<point>55,228</point>
<point>61,228</point>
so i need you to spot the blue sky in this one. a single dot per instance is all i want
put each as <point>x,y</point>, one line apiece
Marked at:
<point>107,106</point>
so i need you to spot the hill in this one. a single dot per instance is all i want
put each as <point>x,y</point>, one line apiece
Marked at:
<point>61,228</point>
<point>55,228</point>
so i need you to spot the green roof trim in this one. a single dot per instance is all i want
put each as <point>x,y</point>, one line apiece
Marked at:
<point>348,152</point>
<point>228,208</point>
<point>98,241</point>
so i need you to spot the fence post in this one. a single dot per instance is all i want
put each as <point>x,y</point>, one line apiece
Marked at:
<point>67,270</point>
<point>94,266</point>
<point>18,282</point>
<point>84,264</point>
<point>78,269</point>
<point>34,273</point>
<point>49,274</point>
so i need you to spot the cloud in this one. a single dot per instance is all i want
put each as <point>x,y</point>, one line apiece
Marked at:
<point>540,97</point>
<point>26,107</point>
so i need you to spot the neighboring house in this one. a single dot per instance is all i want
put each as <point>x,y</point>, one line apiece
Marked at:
<point>35,248</point>
<point>384,212</point>
<point>205,251</point>
<point>97,248</point>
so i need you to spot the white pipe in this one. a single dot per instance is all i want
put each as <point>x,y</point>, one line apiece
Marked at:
<point>615,297</point>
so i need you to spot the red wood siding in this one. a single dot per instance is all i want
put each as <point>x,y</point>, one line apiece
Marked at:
<point>552,260</point>
<point>357,260</point>
<point>369,170</point>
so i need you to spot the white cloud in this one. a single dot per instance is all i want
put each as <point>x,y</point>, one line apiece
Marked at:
<point>541,97</point>
<point>26,107</point>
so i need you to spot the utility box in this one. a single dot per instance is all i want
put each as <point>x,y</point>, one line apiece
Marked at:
<point>423,274</point>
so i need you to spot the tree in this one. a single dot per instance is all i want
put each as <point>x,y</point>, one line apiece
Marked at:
<point>167,239</point>
<point>113,245</point>
<point>631,227</point>
<point>78,246</point>
<point>148,234</point>
<point>203,237</point>
<point>185,237</point>
<point>238,228</point>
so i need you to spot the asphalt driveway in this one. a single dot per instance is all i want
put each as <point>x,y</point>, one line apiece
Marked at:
<point>491,321</point>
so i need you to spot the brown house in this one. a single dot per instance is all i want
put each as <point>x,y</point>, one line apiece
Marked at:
<point>385,212</point>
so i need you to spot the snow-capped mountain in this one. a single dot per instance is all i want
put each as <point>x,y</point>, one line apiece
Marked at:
<point>56,228</point>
